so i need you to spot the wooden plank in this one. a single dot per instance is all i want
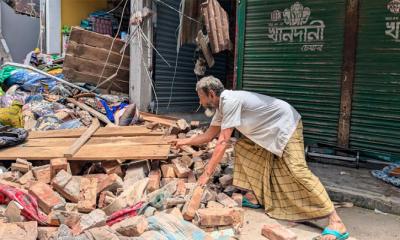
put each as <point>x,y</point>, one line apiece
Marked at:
<point>142,140</point>
<point>93,112</point>
<point>83,139</point>
<point>93,39</point>
<point>88,153</point>
<point>95,67</point>
<point>72,75</point>
<point>96,54</point>
<point>201,40</point>
<point>128,131</point>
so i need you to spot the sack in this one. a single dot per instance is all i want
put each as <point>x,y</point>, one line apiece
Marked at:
<point>12,136</point>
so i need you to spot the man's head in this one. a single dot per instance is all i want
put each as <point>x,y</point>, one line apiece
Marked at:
<point>209,90</point>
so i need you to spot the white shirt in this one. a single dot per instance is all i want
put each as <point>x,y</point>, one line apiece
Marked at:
<point>265,120</point>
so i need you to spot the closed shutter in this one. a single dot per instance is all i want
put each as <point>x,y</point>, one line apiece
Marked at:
<point>375,120</point>
<point>293,51</point>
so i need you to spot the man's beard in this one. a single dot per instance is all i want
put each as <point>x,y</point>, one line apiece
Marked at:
<point>209,112</point>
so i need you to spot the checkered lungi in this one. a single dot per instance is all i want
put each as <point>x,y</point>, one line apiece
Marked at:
<point>284,185</point>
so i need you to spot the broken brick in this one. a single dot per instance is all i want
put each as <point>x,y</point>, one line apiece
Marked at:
<point>19,231</point>
<point>277,232</point>
<point>20,167</point>
<point>13,212</point>
<point>42,173</point>
<point>213,204</point>
<point>46,197</point>
<point>111,167</point>
<point>165,181</point>
<point>105,198</point>
<point>109,183</point>
<point>87,195</point>
<point>131,227</point>
<point>180,188</point>
<point>191,206</point>
<point>95,218</point>
<point>27,177</point>
<point>56,165</point>
<point>168,171</point>
<point>67,185</point>
<point>191,177</point>
<point>226,200</point>
<point>226,180</point>
<point>47,233</point>
<point>154,180</point>
<point>210,217</point>
<point>187,161</point>
<point>181,170</point>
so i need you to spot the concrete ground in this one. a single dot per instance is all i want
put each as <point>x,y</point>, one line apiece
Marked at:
<point>363,224</point>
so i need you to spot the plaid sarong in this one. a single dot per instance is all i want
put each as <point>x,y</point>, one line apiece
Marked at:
<point>284,185</point>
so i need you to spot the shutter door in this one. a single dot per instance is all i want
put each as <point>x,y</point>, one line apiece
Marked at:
<point>375,120</point>
<point>293,51</point>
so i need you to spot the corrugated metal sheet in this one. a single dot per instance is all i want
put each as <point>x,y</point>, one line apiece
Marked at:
<point>309,80</point>
<point>375,121</point>
<point>184,97</point>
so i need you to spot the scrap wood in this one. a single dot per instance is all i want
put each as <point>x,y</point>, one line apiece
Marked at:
<point>203,44</point>
<point>163,120</point>
<point>82,139</point>
<point>89,153</point>
<point>126,131</point>
<point>93,112</point>
<point>103,141</point>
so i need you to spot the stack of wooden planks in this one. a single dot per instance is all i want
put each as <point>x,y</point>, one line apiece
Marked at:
<point>86,56</point>
<point>106,143</point>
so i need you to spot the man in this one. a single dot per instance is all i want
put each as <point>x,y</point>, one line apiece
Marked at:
<point>269,158</point>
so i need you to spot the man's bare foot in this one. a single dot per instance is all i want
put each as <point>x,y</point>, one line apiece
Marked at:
<point>336,224</point>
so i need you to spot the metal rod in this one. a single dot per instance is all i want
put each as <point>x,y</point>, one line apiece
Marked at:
<point>46,74</point>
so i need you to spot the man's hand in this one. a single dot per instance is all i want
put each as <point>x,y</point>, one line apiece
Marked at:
<point>180,142</point>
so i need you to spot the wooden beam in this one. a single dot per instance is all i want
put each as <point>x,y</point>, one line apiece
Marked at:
<point>83,139</point>
<point>89,153</point>
<point>93,112</point>
<point>349,63</point>
<point>128,131</point>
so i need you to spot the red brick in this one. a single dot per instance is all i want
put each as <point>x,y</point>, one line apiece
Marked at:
<point>46,197</point>
<point>56,165</point>
<point>277,232</point>
<point>20,167</point>
<point>226,200</point>
<point>105,198</point>
<point>168,171</point>
<point>180,188</point>
<point>109,183</point>
<point>27,177</point>
<point>154,180</point>
<point>19,231</point>
<point>190,208</point>
<point>96,218</point>
<point>67,185</point>
<point>47,233</point>
<point>211,217</point>
<point>188,161</point>
<point>181,170</point>
<point>131,227</point>
<point>111,167</point>
<point>87,195</point>
<point>42,173</point>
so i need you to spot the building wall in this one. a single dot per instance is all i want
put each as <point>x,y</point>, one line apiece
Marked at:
<point>73,11</point>
<point>20,32</point>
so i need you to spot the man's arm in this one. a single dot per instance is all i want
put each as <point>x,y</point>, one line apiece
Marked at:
<point>206,137</point>
<point>217,156</point>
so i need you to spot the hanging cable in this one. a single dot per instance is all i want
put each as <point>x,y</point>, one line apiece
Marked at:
<point>178,11</point>
<point>119,4</point>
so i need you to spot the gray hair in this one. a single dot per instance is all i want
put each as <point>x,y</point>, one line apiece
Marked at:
<point>210,83</point>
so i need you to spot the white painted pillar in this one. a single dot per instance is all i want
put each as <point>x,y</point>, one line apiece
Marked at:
<point>53,26</point>
<point>140,91</point>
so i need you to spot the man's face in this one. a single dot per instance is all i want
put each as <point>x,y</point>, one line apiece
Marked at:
<point>208,102</point>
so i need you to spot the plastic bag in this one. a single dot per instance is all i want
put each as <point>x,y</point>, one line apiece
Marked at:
<point>12,116</point>
<point>30,81</point>
<point>12,136</point>
<point>174,228</point>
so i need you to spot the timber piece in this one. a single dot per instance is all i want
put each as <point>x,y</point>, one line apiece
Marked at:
<point>93,112</point>
<point>163,120</point>
<point>210,25</point>
<point>128,131</point>
<point>117,84</point>
<point>218,22</point>
<point>95,68</point>
<point>83,139</point>
<point>96,54</point>
<point>104,141</point>
<point>203,44</point>
<point>86,153</point>
<point>93,39</point>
